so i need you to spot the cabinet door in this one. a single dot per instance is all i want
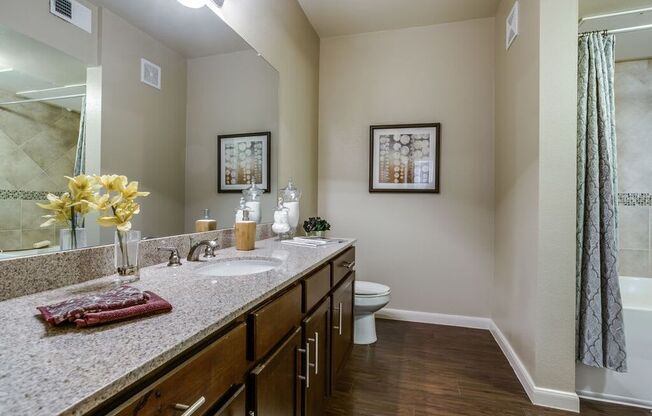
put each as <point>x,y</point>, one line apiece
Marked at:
<point>341,324</point>
<point>234,405</point>
<point>276,384</point>
<point>316,332</point>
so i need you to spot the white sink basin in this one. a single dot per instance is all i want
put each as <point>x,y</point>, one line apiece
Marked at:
<point>239,266</point>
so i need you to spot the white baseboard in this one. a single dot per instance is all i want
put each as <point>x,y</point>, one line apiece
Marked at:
<point>540,396</point>
<point>435,318</point>
<point>611,398</point>
<point>557,399</point>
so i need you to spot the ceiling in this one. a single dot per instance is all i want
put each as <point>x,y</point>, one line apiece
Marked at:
<point>592,7</point>
<point>347,17</point>
<point>27,65</point>
<point>191,32</point>
<point>629,46</point>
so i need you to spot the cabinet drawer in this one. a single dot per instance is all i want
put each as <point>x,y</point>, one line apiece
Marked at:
<point>316,287</point>
<point>235,405</point>
<point>203,380</point>
<point>271,322</point>
<point>343,265</point>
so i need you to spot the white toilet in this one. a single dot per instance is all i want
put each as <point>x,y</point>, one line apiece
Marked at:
<point>370,297</point>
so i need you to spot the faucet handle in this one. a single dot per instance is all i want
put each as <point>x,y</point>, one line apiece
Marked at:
<point>209,251</point>
<point>174,259</point>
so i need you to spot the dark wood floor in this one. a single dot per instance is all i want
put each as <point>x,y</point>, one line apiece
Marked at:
<point>428,370</point>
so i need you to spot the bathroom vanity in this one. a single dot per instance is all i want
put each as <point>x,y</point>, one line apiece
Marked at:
<point>270,343</point>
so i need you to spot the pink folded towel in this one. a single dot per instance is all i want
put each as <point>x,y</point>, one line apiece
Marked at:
<point>154,304</point>
<point>72,309</point>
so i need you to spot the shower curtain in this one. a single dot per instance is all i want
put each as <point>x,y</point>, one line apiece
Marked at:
<point>600,331</point>
<point>80,155</point>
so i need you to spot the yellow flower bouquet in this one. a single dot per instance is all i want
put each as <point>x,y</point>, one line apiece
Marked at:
<point>117,205</point>
<point>70,208</point>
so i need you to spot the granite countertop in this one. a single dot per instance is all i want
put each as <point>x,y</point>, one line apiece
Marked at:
<point>69,371</point>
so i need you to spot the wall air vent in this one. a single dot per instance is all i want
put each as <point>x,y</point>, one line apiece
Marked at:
<point>73,12</point>
<point>150,73</point>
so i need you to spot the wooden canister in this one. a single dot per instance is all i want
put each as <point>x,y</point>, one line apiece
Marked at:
<point>245,235</point>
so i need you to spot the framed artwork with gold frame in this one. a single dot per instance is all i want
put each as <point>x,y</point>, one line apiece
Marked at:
<point>404,158</point>
<point>241,158</point>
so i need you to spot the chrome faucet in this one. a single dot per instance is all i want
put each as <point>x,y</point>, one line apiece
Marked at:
<point>210,245</point>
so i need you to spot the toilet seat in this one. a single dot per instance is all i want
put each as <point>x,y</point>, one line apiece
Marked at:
<point>370,289</point>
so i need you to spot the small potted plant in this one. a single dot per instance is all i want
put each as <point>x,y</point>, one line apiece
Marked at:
<point>316,227</point>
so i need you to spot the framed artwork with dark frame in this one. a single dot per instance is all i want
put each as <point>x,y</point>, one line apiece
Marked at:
<point>241,158</point>
<point>404,158</point>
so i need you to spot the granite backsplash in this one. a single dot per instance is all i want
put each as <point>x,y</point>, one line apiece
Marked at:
<point>26,275</point>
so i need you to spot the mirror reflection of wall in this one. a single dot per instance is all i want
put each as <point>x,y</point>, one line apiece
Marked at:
<point>211,83</point>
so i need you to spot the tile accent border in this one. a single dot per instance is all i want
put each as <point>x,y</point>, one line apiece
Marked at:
<point>631,199</point>
<point>25,195</point>
<point>22,276</point>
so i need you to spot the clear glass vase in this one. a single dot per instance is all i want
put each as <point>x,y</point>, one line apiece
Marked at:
<point>126,256</point>
<point>70,241</point>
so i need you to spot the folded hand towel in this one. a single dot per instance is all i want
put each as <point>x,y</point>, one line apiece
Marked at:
<point>154,304</point>
<point>69,310</point>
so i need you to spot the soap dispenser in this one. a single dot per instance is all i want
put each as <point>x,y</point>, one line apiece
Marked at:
<point>245,228</point>
<point>206,224</point>
<point>252,197</point>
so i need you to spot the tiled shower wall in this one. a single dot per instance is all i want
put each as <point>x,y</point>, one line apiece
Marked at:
<point>37,148</point>
<point>634,134</point>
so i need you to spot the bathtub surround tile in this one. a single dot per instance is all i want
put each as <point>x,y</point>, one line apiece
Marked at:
<point>634,232</point>
<point>635,263</point>
<point>18,127</point>
<point>18,169</point>
<point>46,147</point>
<point>632,199</point>
<point>9,215</point>
<point>30,237</point>
<point>9,240</point>
<point>26,275</point>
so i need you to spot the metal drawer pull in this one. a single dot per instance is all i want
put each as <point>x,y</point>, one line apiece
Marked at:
<point>316,341</point>
<point>339,325</point>
<point>349,265</point>
<point>306,351</point>
<point>189,410</point>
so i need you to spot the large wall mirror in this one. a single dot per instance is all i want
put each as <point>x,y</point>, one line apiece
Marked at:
<point>146,94</point>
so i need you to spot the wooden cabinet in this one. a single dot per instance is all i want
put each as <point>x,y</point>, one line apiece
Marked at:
<point>272,321</point>
<point>276,383</point>
<point>235,405</point>
<point>200,381</point>
<point>316,333</point>
<point>281,361</point>
<point>341,324</point>
<point>342,265</point>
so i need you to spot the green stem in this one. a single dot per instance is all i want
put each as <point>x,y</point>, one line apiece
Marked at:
<point>73,227</point>
<point>123,246</point>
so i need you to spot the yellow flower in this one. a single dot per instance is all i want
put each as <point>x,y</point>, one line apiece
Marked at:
<point>131,191</point>
<point>123,213</point>
<point>112,183</point>
<point>61,208</point>
<point>81,187</point>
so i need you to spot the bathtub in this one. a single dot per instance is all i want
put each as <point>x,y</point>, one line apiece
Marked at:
<point>635,386</point>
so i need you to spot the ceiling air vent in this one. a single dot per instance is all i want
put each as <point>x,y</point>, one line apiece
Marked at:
<point>73,12</point>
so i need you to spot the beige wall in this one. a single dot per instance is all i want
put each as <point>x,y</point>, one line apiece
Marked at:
<point>33,18</point>
<point>534,289</point>
<point>435,251</point>
<point>227,94</point>
<point>143,128</point>
<point>280,31</point>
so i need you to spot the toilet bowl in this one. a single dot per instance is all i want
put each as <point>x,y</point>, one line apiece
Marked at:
<point>370,297</point>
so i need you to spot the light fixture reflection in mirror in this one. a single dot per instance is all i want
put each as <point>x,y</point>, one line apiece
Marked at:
<point>193,4</point>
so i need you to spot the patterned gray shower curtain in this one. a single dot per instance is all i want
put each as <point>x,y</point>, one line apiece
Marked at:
<point>600,330</point>
<point>80,154</point>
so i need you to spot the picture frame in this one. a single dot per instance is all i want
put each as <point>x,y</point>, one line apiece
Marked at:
<point>404,158</point>
<point>241,156</point>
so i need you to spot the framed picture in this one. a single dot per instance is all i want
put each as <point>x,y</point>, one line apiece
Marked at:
<point>404,158</point>
<point>241,158</point>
